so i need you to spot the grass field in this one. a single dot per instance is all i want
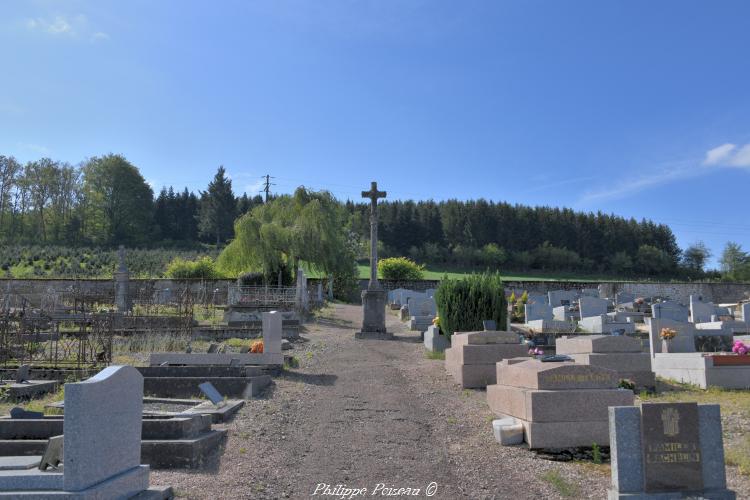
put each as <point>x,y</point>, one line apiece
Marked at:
<point>438,273</point>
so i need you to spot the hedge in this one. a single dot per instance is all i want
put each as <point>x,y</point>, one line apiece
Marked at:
<point>464,303</point>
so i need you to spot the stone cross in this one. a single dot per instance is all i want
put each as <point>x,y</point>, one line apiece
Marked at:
<point>373,194</point>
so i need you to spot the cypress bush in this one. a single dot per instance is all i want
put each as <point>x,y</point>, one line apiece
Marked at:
<point>464,303</point>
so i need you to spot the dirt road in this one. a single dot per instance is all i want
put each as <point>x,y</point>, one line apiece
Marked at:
<point>373,415</point>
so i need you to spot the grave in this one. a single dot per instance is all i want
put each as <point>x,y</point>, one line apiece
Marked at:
<point>562,297</point>
<point>670,310</point>
<point>682,363</point>
<point>537,311</point>
<point>472,356</point>
<point>434,341</point>
<point>560,404</point>
<point>423,311</point>
<point>592,306</point>
<point>605,324</point>
<point>565,313</point>
<point>620,353</point>
<point>235,381</point>
<point>271,355</point>
<point>667,450</point>
<point>21,387</point>
<point>102,443</point>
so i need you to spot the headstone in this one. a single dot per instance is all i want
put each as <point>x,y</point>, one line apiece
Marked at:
<point>103,429</point>
<point>562,297</point>
<point>21,414</point>
<point>700,312</point>
<point>213,348</point>
<point>122,283</point>
<point>489,325</point>
<point>434,341</point>
<point>374,298</point>
<point>22,374</point>
<point>670,310</point>
<point>667,450</point>
<point>536,311</point>
<point>592,306</point>
<point>561,404</point>
<point>472,356</point>
<point>621,353</point>
<point>208,389</point>
<point>53,453</point>
<point>624,297</point>
<point>272,332</point>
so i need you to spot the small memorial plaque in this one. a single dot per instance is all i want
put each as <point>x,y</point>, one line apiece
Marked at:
<point>671,447</point>
<point>211,393</point>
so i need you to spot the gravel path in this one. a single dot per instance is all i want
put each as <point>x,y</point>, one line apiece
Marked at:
<point>367,413</point>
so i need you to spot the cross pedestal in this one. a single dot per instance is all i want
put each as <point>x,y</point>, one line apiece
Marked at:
<point>374,298</point>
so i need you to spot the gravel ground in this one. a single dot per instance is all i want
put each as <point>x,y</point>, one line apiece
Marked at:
<point>368,413</point>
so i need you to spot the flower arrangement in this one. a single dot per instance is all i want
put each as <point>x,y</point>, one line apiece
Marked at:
<point>740,348</point>
<point>668,333</point>
<point>535,351</point>
<point>640,301</point>
<point>257,347</point>
<point>436,321</point>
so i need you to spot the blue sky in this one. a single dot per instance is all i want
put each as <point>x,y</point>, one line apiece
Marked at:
<point>639,108</point>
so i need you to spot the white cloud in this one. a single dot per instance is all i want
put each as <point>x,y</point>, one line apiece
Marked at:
<point>741,158</point>
<point>74,26</point>
<point>255,188</point>
<point>665,173</point>
<point>58,25</point>
<point>99,36</point>
<point>718,154</point>
<point>729,155</point>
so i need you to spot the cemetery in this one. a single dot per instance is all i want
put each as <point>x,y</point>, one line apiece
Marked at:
<point>566,378</point>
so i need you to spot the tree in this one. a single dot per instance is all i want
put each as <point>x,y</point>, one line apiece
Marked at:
<point>734,262</point>
<point>118,203</point>
<point>307,226</point>
<point>695,256</point>
<point>218,209</point>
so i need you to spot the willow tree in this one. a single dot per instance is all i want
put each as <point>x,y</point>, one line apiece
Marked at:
<point>309,226</point>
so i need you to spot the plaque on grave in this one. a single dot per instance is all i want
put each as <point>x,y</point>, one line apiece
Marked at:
<point>671,447</point>
<point>211,393</point>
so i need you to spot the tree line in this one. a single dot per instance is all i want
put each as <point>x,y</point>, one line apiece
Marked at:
<point>480,233</point>
<point>105,201</point>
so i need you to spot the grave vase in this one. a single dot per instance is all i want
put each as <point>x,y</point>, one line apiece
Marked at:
<point>665,345</point>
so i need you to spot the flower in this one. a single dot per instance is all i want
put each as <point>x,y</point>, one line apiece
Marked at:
<point>740,348</point>
<point>668,333</point>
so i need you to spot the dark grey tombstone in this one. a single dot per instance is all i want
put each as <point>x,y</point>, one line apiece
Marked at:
<point>53,454</point>
<point>211,393</point>
<point>213,348</point>
<point>489,325</point>
<point>22,374</point>
<point>671,447</point>
<point>20,413</point>
<point>244,349</point>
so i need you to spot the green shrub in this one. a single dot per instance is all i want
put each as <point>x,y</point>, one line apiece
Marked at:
<point>400,269</point>
<point>203,268</point>
<point>464,303</point>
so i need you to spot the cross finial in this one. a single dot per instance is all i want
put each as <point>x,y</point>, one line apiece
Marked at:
<point>373,194</point>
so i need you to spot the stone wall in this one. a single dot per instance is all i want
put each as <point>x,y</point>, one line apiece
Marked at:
<point>33,289</point>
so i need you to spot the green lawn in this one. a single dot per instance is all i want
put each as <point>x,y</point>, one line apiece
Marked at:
<point>438,273</point>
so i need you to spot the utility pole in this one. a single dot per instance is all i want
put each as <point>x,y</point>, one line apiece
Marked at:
<point>267,188</point>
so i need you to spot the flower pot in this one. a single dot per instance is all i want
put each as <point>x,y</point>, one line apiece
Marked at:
<point>731,360</point>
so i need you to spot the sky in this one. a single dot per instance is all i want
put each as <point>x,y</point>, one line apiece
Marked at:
<point>636,107</point>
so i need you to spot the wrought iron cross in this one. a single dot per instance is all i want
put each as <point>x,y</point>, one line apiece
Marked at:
<point>373,194</point>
